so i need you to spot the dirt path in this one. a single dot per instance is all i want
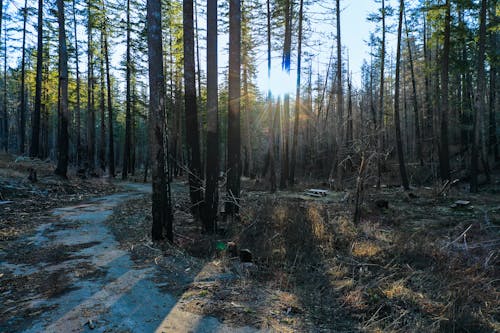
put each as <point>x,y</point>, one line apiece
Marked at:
<point>70,275</point>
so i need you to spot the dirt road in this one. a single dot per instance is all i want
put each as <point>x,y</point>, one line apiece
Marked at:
<point>70,275</point>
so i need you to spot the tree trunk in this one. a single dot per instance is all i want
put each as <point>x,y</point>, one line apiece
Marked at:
<point>5,138</point>
<point>272,167</point>
<point>161,197</point>
<point>63,114</point>
<point>111,147</point>
<point>102,106</point>
<point>287,46</point>
<point>22,104</point>
<point>380,128</point>
<point>78,105</point>
<point>35,130</point>
<point>90,95</point>
<point>444,159</point>
<point>340,106</point>
<point>399,143</point>
<point>479,143</point>
<point>233,126</point>
<point>293,161</point>
<point>193,139</point>
<point>212,157</point>
<point>128,102</point>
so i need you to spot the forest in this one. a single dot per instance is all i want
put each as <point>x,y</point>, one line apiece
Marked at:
<point>249,165</point>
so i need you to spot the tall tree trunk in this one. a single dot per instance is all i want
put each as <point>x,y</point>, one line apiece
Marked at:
<point>444,159</point>
<point>90,95</point>
<point>272,167</point>
<point>381,111</point>
<point>293,161</point>
<point>479,143</point>
<point>494,102</point>
<point>111,143</point>
<point>35,130</point>
<point>128,102</point>
<point>63,114</point>
<point>193,139</point>
<point>399,143</point>
<point>5,138</point>
<point>102,107</point>
<point>287,47</point>
<point>418,133</point>
<point>233,126</point>
<point>22,105</point>
<point>161,198</point>
<point>212,157</point>
<point>340,105</point>
<point>78,84</point>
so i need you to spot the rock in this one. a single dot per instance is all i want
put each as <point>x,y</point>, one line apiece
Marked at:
<point>232,249</point>
<point>245,255</point>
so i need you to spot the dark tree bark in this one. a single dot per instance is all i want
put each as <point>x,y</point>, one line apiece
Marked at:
<point>444,159</point>
<point>494,101</point>
<point>212,157</point>
<point>5,138</point>
<point>479,143</point>
<point>418,132</point>
<point>35,127</point>
<point>161,201</point>
<point>78,99</point>
<point>102,107</point>
<point>233,126</point>
<point>90,96</point>
<point>285,64</point>
<point>340,106</point>
<point>399,143</point>
<point>128,102</point>
<point>380,129</point>
<point>22,104</point>
<point>111,143</point>
<point>293,161</point>
<point>63,114</point>
<point>272,167</point>
<point>193,138</point>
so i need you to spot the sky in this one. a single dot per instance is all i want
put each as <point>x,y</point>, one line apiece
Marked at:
<point>355,31</point>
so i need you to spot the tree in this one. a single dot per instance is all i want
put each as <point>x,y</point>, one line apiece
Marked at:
<point>479,143</point>
<point>380,134</point>
<point>128,102</point>
<point>293,161</point>
<point>191,110</point>
<point>78,83</point>
<point>35,125</point>
<point>285,66</point>
<point>444,159</point>
<point>233,123</point>
<point>90,91</point>
<point>272,116</point>
<point>161,199</point>
<point>399,144</point>
<point>22,93</point>
<point>111,144</point>
<point>212,157</point>
<point>340,101</point>
<point>63,112</point>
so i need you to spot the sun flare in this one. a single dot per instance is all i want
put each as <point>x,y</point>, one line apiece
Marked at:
<point>281,83</point>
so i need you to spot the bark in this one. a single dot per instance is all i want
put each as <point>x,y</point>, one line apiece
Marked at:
<point>111,144</point>
<point>90,96</point>
<point>399,143</point>
<point>128,102</point>
<point>63,114</point>
<point>272,168</point>
<point>233,131</point>
<point>5,138</point>
<point>161,199</point>
<point>380,128</point>
<point>102,107</point>
<point>22,104</point>
<point>78,84</point>
<point>212,157</point>
<point>193,139</point>
<point>293,161</point>
<point>35,127</point>
<point>287,46</point>
<point>444,160</point>
<point>340,106</point>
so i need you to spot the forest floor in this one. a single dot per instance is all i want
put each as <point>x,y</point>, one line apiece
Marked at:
<point>422,264</point>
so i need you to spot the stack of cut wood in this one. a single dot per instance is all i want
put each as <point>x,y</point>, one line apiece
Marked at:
<point>313,192</point>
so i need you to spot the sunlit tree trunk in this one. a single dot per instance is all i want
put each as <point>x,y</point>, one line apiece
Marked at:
<point>22,104</point>
<point>287,47</point>
<point>90,92</point>
<point>444,160</point>
<point>380,129</point>
<point>111,143</point>
<point>78,83</point>
<point>272,167</point>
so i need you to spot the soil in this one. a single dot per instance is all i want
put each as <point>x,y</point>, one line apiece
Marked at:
<point>421,265</point>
